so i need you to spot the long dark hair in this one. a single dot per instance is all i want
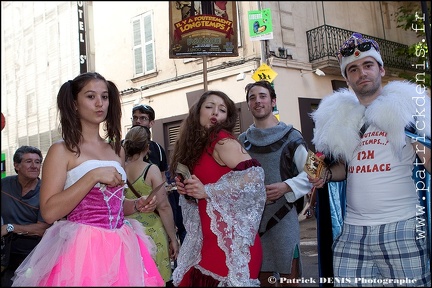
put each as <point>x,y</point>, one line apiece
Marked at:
<point>194,138</point>
<point>70,124</point>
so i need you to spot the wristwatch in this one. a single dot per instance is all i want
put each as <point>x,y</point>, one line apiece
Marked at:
<point>10,228</point>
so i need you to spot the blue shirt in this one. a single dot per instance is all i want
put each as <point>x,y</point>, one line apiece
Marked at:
<point>21,210</point>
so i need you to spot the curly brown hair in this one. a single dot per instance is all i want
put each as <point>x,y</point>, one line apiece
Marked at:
<point>194,138</point>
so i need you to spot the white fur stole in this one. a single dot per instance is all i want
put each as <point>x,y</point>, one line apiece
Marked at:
<point>338,118</point>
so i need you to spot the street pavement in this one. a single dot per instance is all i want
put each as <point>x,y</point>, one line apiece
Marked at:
<point>309,252</point>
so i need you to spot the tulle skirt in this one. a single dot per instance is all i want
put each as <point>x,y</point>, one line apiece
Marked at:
<point>74,254</point>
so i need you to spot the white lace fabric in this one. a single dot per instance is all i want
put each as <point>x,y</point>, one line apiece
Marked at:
<point>235,205</point>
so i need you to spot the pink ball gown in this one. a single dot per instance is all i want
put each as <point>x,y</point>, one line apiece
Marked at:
<point>95,245</point>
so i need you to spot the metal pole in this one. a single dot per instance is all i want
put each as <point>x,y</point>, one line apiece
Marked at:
<point>262,42</point>
<point>205,73</point>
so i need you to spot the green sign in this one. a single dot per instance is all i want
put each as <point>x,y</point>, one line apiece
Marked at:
<point>3,165</point>
<point>260,24</point>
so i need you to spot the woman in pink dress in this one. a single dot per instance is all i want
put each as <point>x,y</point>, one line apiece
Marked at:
<point>90,242</point>
<point>222,246</point>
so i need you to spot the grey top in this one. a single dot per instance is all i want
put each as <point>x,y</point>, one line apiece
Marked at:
<point>282,239</point>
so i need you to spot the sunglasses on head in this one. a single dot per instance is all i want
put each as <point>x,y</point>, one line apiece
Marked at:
<point>363,47</point>
<point>143,107</point>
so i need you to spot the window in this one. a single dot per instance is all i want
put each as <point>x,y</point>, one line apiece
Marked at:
<point>143,44</point>
<point>31,103</point>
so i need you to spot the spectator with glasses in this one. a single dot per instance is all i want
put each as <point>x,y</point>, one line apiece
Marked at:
<point>362,131</point>
<point>144,115</point>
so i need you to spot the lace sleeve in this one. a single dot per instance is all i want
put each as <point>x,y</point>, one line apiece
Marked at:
<point>235,206</point>
<point>189,254</point>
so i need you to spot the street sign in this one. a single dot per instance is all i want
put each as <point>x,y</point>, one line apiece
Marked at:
<point>264,72</point>
<point>3,165</point>
<point>260,24</point>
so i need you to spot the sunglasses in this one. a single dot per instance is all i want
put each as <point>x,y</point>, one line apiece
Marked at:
<point>363,47</point>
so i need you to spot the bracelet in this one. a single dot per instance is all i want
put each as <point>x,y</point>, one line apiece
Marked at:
<point>329,172</point>
<point>135,207</point>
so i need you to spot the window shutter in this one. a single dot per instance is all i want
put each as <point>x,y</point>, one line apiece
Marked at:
<point>137,47</point>
<point>143,44</point>
<point>149,43</point>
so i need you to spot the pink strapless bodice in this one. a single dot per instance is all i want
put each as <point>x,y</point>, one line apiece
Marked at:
<point>102,206</point>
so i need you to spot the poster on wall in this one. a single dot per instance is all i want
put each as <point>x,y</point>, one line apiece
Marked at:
<point>202,28</point>
<point>260,24</point>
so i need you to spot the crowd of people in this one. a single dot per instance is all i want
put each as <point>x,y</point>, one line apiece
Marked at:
<point>116,212</point>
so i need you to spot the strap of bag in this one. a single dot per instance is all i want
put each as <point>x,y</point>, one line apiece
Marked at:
<point>18,200</point>
<point>286,208</point>
<point>133,189</point>
<point>138,195</point>
<point>363,129</point>
<point>277,217</point>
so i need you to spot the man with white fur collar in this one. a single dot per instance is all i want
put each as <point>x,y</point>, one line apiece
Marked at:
<point>364,134</point>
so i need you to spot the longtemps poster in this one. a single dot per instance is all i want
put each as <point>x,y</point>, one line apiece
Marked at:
<point>203,28</point>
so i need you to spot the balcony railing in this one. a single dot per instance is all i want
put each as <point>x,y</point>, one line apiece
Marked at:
<point>324,41</point>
